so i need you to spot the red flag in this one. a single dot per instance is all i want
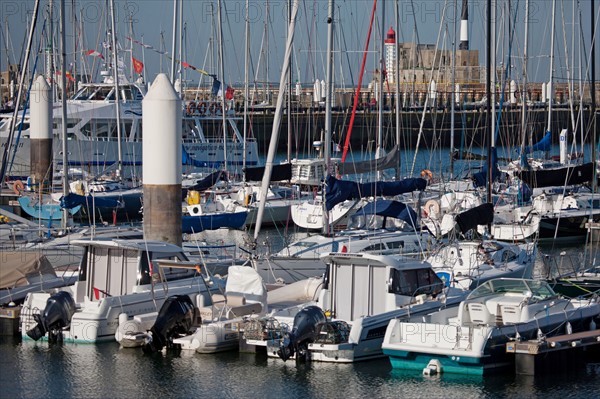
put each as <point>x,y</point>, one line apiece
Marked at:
<point>94,53</point>
<point>96,293</point>
<point>229,93</point>
<point>138,66</point>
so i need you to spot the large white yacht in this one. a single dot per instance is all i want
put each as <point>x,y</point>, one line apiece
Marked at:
<point>92,133</point>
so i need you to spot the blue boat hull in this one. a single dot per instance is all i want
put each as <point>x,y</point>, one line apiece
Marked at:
<point>195,224</point>
<point>43,211</point>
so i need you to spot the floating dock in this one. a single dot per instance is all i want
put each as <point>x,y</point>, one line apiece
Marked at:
<point>537,356</point>
<point>9,320</point>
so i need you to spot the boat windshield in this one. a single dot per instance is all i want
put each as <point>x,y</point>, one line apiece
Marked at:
<point>530,288</point>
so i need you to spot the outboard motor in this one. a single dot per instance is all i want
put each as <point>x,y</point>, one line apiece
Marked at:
<point>56,315</point>
<point>304,332</point>
<point>176,316</point>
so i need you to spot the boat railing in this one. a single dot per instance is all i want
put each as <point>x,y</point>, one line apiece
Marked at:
<point>562,265</point>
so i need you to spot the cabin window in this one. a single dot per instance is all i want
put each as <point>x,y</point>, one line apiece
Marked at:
<point>144,274</point>
<point>375,247</point>
<point>414,282</point>
<point>83,265</point>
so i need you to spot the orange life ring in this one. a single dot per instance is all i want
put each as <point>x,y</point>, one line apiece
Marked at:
<point>191,107</point>
<point>432,209</point>
<point>201,108</point>
<point>426,174</point>
<point>18,187</point>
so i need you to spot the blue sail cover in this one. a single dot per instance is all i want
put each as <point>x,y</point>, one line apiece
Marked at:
<point>543,145</point>
<point>72,200</point>
<point>339,191</point>
<point>390,208</point>
<point>208,181</point>
<point>480,178</point>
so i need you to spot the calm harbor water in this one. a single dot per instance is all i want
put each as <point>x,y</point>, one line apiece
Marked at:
<point>40,370</point>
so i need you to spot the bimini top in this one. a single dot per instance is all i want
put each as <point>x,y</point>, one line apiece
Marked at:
<point>136,244</point>
<point>362,259</point>
<point>535,289</point>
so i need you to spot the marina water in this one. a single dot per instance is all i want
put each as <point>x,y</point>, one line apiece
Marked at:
<point>39,370</point>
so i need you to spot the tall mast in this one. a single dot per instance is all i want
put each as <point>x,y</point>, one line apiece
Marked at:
<point>328,98</point>
<point>453,86</point>
<point>379,151</point>
<point>113,36</point>
<point>276,122</point>
<point>593,92</point>
<point>174,42</point>
<point>63,110</point>
<point>223,89</point>
<point>289,99</point>
<point>397,80</point>
<point>549,89</point>
<point>246,62</point>
<point>488,93</point>
<point>524,92</point>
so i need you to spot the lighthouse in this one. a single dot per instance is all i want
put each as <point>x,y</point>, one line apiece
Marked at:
<point>464,26</point>
<point>390,55</point>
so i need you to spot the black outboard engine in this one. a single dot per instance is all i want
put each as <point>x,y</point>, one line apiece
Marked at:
<point>304,332</point>
<point>176,316</point>
<point>56,316</point>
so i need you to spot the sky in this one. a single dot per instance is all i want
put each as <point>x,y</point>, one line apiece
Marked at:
<point>425,21</point>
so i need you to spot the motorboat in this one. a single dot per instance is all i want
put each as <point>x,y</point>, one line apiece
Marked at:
<point>115,278</point>
<point>471,338</point>
<point>346,318</point>
<point>382,226</point>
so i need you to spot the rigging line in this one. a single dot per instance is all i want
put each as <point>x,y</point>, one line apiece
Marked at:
<point>8,142</point>
<point>360,78</point>
<point>26,105</point>
<point>427,96</point>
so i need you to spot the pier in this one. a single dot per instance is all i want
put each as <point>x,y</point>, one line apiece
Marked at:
<point>555,353</point>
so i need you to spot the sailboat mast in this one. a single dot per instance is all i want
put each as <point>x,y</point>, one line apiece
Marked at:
<point>397,80</point>
<point>524,92</point>
<point>328,100</point>
<point>63,111</point>
<point>593,93</point>
<point>488,93</point>
<point>549,89</point>
<point>453,86</point>
<point>328,88</point>
<point>276,122</point>
<point>115,63</point>
<point>379,151</point>
<point>223,90</point>
<point>174,42</point>
<point>246,91</point>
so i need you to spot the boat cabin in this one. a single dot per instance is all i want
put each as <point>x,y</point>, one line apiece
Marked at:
<point>361,284</point>
<point>121,267</point>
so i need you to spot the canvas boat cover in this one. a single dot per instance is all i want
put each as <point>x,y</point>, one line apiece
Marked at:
<point>18,266</point>
<point>338,191</point>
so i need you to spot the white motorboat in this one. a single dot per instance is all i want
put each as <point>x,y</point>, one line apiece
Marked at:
<point>471,338</point>
<point>346,319</point>
<point>468,263</point>
<point>116,277</point>
<point>381,227</point>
